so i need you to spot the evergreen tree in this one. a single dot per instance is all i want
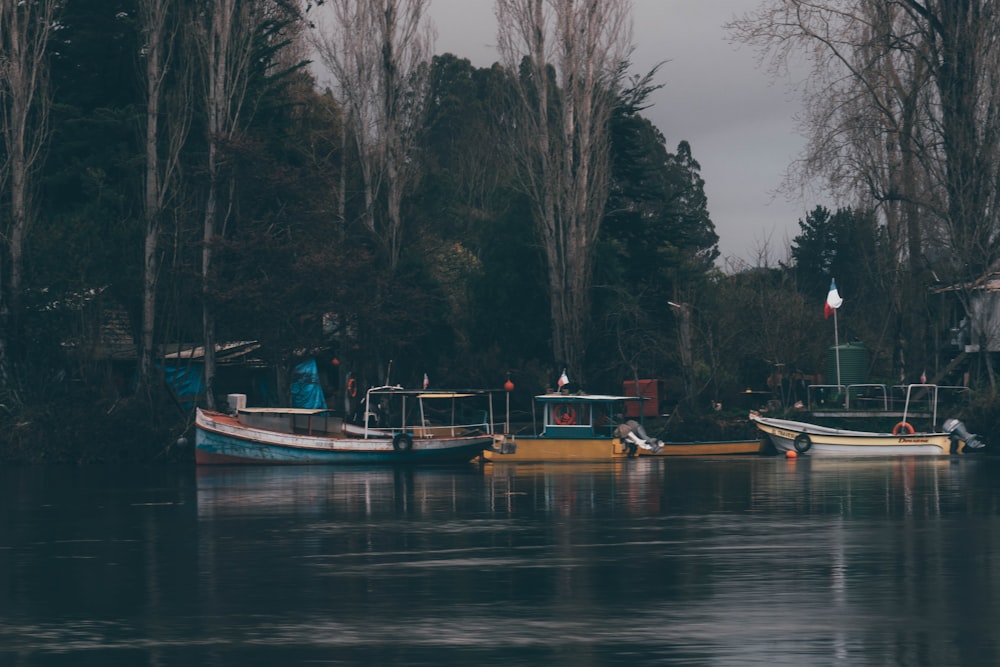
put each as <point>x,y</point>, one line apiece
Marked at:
<point>657,245</point>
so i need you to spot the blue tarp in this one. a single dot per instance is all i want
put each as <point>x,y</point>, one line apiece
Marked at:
<point>187,381</point>
<point>188,384</point>
<point>306,389</point>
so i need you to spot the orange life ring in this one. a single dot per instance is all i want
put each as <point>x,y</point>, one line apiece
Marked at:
<point>564,415</point>
<point>903,428</point>
<point>352,388</point>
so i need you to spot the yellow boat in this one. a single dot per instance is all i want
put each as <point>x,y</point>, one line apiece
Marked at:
<point>589,427</point>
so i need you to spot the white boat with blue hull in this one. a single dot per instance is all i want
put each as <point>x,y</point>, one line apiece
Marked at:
<point>316,436</point>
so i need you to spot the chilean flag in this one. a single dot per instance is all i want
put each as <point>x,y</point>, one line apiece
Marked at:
<point>833,300</point>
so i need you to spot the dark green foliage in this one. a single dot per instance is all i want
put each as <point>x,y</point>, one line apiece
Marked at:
<point>95,55</point>
<point>657,220</point>
<point>839,245</point>
<point>476,233</point>
<point>756,323</point>
<point>89,192</point>
<point>657,244</point>
<point>847,246</point>
<point>75,427</point>
<point>90,205</point>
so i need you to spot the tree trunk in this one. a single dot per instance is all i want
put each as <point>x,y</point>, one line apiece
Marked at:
<point>153,13</point>
<point>227,45</point>
<point>565,91</point>
<point>24,108</point>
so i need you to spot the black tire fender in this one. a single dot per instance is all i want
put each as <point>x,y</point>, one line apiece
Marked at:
<point>402,442</point>
<point>802,443</point>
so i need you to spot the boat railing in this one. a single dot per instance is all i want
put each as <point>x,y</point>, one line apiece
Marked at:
<point>415,416</point>
<point>922,399</point>
<point>819,395</point>
<point>924,393</point>
<point>866,396</point>
<point>929,397</point>
<point>479,422</point>
<point>861,396</point>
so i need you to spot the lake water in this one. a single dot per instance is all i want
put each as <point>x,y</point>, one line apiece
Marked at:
<point>710,562</point>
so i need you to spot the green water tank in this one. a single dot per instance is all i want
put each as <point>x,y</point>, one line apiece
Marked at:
<point>853,363</point>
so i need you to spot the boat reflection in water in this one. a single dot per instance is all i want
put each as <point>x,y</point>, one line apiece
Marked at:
<point>648,485</point>
<point>891,486</point>
<point>363,491</point>
<point>631,486</point>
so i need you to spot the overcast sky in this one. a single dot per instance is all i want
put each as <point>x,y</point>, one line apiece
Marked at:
<point>739,123</point>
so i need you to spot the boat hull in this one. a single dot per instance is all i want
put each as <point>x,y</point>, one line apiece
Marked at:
<point>540,449</point>
<point>709,448</point>
<point>814,440</point>
<point>584,427</point>
<point>222,439</point>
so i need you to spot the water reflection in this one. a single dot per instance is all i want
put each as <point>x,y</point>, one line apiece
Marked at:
<point>738,484</point>
<point>890,486</point>
<point>318,490</point>
<point>746,561</point>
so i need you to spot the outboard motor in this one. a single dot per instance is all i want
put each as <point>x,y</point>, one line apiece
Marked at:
<point>957,431</point>
<point>506,446</point>
<point>635,436</point>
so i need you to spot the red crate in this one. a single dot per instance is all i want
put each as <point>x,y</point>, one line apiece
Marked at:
<point>648,389</point>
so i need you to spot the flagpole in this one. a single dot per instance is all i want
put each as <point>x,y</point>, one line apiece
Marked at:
<point>833,302</point>
<point>836,347</point>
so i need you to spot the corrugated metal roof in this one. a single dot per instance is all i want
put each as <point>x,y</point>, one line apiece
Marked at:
<point>224,352</point>
<point>989,282</point>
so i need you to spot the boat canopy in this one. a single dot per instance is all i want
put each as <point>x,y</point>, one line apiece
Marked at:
<point>394,408</point>
<point>587,398</point>
<point>396,390</point>
<point>581,415</point>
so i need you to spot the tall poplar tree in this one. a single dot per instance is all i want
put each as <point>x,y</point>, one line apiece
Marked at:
<point>25,27</point>
<point>379,54</point>
<point>160,21</point>
<point>566,59</point>
<point>236,40</point>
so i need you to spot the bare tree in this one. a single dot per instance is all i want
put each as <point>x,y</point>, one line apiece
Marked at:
<point>962,43</point>
<point>239,42</point>
<point>160,21</point>
<point>903,115</point>
<point>566,59</point>
<point>379,51</point>
<point>226,32</point>
<point>25,27</point>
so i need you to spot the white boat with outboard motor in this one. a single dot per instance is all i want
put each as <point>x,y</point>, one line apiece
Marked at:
<point>799,437</point>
